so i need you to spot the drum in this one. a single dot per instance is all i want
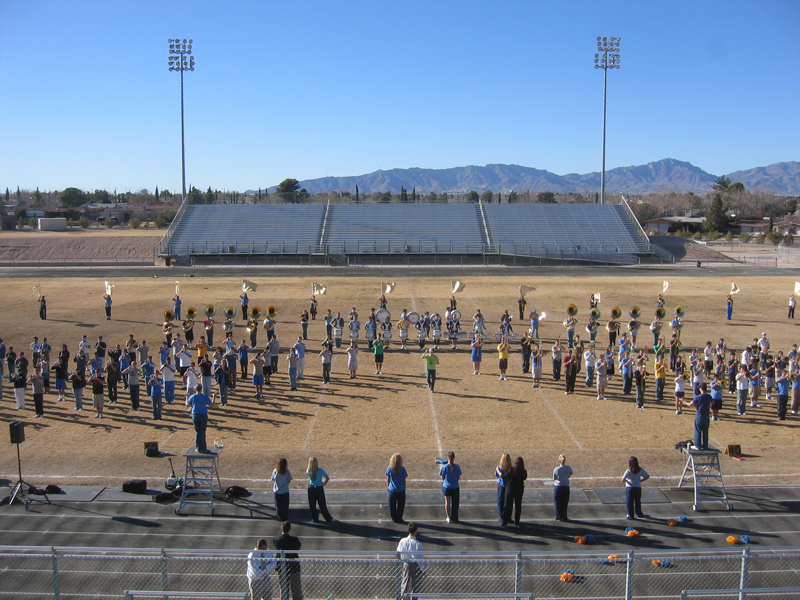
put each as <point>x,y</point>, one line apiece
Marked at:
<point>463,335</point>
<point>413,317</point>
<point>455,315</point>
<point>353,334</point>
<point>437,333</point>
<point>381,315</point>
<point>337,332</point>
<point>387,335</point>
<point>422,334</point>
<point>486,336</point>
<point>403,334</point>
<point>370,334</point>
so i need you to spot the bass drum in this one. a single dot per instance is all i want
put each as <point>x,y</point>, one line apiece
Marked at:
<point>455,315</point>
<point>413,317</point>
<point>381,315</point>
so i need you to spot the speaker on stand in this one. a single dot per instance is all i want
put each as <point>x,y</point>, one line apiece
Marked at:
<point>17,431</point>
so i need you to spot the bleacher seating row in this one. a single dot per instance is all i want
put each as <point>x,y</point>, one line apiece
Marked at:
<point>344,229</point>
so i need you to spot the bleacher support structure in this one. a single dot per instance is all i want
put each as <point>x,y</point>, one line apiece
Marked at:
<point>404,234</point>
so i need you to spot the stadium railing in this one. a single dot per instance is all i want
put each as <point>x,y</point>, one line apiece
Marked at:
<point>69,572</point>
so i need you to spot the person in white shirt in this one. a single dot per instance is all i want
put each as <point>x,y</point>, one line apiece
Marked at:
<point>260,563</point>
<point>191,378</point>
<point>410,551</point>
<point>792,304</point>
<point>589,360</point>
<point>85,346</point>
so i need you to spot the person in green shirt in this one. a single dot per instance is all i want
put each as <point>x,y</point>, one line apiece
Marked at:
<point>378,349</point>
<point>431,360</point>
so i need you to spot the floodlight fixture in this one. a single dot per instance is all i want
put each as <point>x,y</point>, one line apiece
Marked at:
<point>181,59</point>
<point>607,57</point>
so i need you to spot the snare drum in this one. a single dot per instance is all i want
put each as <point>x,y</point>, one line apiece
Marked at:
<point>387,336</point>
<point>353,334</point>
<point>437,333</point>
<point>337,332</point>
<point>403,334</point>
<point>370,334</point>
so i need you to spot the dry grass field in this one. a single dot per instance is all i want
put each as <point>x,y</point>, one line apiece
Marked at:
<point>353,426</point>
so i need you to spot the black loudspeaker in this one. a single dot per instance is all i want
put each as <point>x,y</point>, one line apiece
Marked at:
<point>17,429</point>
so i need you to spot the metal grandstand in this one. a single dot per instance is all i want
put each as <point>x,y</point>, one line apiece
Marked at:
<point>407,233</point>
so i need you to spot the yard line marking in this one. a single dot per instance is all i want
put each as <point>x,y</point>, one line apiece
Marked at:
<point>430,393</point>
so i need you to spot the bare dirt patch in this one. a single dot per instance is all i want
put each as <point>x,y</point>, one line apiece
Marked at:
<point>26,247</point>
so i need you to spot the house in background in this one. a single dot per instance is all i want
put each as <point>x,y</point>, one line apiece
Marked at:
<point>665,224</point>
<point>753,227</point>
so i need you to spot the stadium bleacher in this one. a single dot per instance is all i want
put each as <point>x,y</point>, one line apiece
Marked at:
<point>549,230</point>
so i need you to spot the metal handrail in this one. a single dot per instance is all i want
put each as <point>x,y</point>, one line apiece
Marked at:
<point>639,229</point>
<point>741,591</point>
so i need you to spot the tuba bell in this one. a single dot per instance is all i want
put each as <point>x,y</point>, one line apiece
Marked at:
<point>616,312</point>
<point>680,312</point>
<point>229,312</point>
<point>169,315</point>
<point>595,313</point>
<point>191,312</point>
<point>272,312</point>
<point>254,312</point>
<point>635,312</point>
<point>661,312</point>
<point>572,310</point>
<point>210,311</point>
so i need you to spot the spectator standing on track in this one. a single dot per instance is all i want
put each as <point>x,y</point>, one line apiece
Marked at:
<point>317,480</point>
<point>410,551</point>
<point>633,479</point>
<point>281,478</point>
<point>502,471</point>
<point>450,474</point>
<point>396,476</point>
<point>260,562</point>
<point>561,475</point>
<point>288,565</point>
<point>515,488</point>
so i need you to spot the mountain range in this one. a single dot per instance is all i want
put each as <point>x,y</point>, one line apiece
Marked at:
<point>665,175</point>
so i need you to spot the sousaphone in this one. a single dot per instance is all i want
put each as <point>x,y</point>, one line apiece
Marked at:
<point>635,312</point>
<point>572,310</point>
<point>191,312</point>
<point>661,312</point>
<point>210,311</point>
<point>680,311</point>
<point>254,313</point>
<point>272,312</point>
<point>616,312</point>
<point>595,313</point>
<point>169,315</point>
<point>229,312</point>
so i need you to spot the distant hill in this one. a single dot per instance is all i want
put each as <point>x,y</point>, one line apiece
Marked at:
<point>663,175</point>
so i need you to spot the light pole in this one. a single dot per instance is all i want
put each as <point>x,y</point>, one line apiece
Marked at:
<point>607,57</point>
<point>181,59</point>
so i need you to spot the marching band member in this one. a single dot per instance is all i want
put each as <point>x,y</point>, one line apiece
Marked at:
<point>534,324</point>
<point>792,304</point>
<point>436,324</point>
<point>453,328</point>
<point>660,301</point>
<point>338,326</point>
<point>522,303</point>
<point>355,327</point>
<point>504,329</point>
<point>208,324</point>
<point>569,325</point>
<point>556,355</point>
<point>420,333</point>
<point>502,352</point>
<point>382,301</point>
<point>591,328</point>
<point>243,352</point>
<point>258,373</point>
<point>252,328</point>
<point>426,323</point>
<point>660,369</point>
<point>370,331</point>
<point>478,323</point>
<point>655,328</point>
<point>228,326</point>
<point>729,307</point>
<point>589,359</point>
<point>245,302</point>
<point>313,308</point>
<point>525,350</point>
<point>477,351</point>
<point>176,306</point>
<point>329,324</point>
<point>402,326</point>
<point>600,369</point>
<point>612,327</point>
<point>536,364</point>
<point>304,318</point>
<point>386,326</point>
<point>676,324</point>
<point>188,331</point>
<point>715,389</point>
<point>453,303</point>
<point>167,331</point>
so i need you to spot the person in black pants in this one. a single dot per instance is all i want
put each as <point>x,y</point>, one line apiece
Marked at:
<point>288,565</point>
<point>515,488</point>
<point>525,348</point>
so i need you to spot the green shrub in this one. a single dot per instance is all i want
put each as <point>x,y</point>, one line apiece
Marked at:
<point>775,237</point>
<point>135,222</point>
<point>729,236</point>
<point>698,236</point>
<point>760,238</point>
<point>21,222</point>
<point>109,223</point>
<point>70,223</point>
<point>684,233</point>
<point>713,235</point>
<point>788,239</point>
<point>83,222</point>
<point>745,237</point>
<point>160,222</point>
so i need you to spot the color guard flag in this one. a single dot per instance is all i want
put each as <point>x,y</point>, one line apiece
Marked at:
<point>177,288</point>
<point>458,286</point>
<point>543,316</point>
<point>318,289</point>
<point>797,287</point>
<point>109,288</point>
<point>735,288</point>
<point>387,287</point>
<point>36,290</point>
<point>666,287</point>
<point>248,286</point>
<point>524,290</point>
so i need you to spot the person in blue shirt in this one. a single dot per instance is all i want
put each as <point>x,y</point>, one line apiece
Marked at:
<point>317,480</point>
<point>163,353</point>
<point>626,367</point>
<point>716,395</point>
<point>199,404</point>
<point>534,324</point>
<point>176,301</point>
<point>124,363</point>
<point>156,386</point>
<point>703,404</point>
<point>396,476</point>
<point>782,383</point>
<point>450,474</point>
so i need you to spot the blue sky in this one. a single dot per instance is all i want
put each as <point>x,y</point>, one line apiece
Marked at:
<point>306,89</point>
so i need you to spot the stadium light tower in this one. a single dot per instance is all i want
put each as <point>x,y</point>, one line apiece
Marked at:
<point>181,59</point>
<point>607,57</point>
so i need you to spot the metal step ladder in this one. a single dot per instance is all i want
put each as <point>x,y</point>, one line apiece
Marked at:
<point>201,479</point>
<point>704,471</point>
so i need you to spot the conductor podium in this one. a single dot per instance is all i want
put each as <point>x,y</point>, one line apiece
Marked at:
<point>703,470</point>
<point>201,479</point>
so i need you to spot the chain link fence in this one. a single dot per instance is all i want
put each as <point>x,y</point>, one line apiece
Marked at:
<point>72,573</point>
